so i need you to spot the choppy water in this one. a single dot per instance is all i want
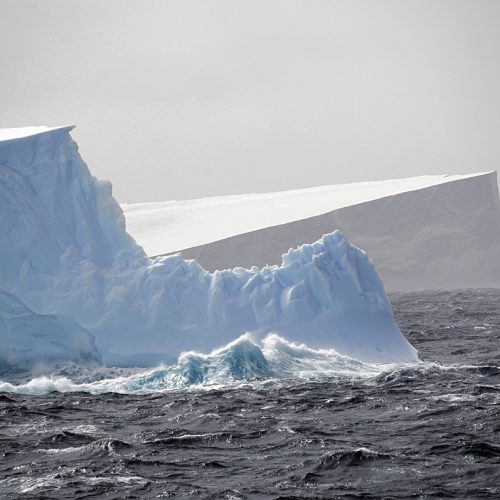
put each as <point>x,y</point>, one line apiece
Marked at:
<point>338,428</point>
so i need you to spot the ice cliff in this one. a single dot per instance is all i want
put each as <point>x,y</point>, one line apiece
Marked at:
<point>65,252</point>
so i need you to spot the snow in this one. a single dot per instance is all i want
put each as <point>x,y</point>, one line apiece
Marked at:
<point>167,227</point>
<point>65,252</point>
<point>8,134</point>
<point>418,231</point>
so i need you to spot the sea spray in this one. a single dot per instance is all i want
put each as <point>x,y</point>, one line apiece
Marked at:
<point>243,360</point>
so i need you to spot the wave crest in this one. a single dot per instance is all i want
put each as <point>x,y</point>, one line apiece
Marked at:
<point>242,360</point>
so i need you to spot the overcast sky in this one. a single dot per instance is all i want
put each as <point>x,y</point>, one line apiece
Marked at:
<point>184,99</point>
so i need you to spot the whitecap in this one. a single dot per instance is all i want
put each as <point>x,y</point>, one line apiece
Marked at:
<point>241,361</point>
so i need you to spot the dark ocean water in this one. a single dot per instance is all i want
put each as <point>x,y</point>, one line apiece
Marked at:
<point>426,431</point>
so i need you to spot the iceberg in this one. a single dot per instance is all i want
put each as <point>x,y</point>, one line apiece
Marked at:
<point>65,253</point>
<point>432,231</point>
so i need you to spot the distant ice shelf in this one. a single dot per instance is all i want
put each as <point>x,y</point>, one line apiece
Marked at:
<point>433,231</point>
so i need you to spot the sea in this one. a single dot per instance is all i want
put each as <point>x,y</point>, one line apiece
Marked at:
<point>281,421</point>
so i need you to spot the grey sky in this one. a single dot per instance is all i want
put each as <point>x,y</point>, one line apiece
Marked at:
<point>183,99</point>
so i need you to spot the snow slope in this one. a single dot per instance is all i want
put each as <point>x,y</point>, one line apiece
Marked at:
<point>418,231</point>
<point>64,251</point>
<point>8,134</point>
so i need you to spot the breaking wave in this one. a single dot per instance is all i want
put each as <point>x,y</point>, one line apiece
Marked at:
<point>242,360</point>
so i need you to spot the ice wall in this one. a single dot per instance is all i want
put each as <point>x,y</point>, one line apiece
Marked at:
<point>65,251</point>
<point>52,211</point>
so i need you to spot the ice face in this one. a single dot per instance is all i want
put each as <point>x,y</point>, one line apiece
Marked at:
<point>28,339</point>
<point>52,208</point>
<point>66,252</point>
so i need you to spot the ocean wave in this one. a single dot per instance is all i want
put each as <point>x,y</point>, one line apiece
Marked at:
<point>404,375</point>
<point>243,360</point>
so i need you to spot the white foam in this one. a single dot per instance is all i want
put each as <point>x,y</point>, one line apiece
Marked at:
<point>242,360</point>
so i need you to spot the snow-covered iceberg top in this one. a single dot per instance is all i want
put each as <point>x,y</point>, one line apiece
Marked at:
<point>9,134</point>
<point>65,251</point>
<point>172,226</point>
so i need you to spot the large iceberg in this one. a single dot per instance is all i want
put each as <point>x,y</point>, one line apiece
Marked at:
<point>432,231</point>
<point>65,252</point>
